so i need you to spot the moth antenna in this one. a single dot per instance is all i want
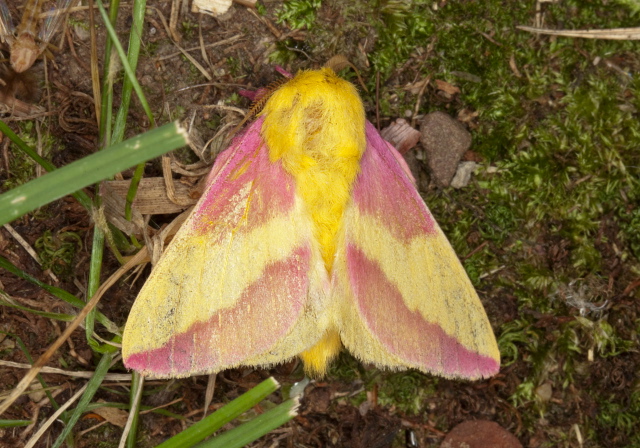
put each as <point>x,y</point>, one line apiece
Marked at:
<point>258,103</point>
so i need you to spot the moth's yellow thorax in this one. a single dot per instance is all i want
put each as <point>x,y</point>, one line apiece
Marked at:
<point>314,124</point>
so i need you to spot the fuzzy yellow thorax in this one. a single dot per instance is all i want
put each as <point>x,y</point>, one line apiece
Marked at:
<point>315,126</point>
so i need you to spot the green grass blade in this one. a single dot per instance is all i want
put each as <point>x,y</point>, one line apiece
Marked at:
<point>56,316</point>
<point>210,424</point>
<point>92,387</point>
<point>107,82</point>
<point>41,380</point>
<point>89,170</point>
<point>133,190</point>
<point>256,428</point>
<point>14,423</point>
<point>125,63</point>
<point>80,196</point>
<point>97,251</point>
<point>57,292</point>
<point>135,40</point>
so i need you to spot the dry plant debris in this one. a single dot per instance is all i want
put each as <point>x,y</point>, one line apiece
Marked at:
<point>548,230</point>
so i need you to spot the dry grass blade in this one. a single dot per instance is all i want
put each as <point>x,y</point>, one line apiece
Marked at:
<point>73,374</point>
<point>34,439</point>
<point>191,59</point>
<point>114,203</point>
<point>612,34</point>
<point>152,198</point>
<point>27,247</point>
<point>208,395</point>
<point>339,62</point>
<point>170,186</point>
<point>156,245</point>
<point>44,358</point>
<point>95,75</point>
<point>133,412</point>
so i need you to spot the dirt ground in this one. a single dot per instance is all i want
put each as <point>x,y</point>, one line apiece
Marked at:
<point>570,358</point>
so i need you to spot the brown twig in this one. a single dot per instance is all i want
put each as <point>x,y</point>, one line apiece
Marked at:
<point>44,358</point>
<point>45,426</point>
<point>208,395</point>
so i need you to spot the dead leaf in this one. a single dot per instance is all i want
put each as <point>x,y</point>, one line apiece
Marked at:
<point>115,416</point>
<point>401,135</point>
<point>467,115</point>
<point>446,87</point>
<point>417,87</point>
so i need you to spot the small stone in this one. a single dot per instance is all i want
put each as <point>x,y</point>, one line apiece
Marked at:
<point>544,392</point>
<point>445,142</point>
<point>82,32</point>
<point>480,434</point>
<point>214,7</point>
<point>463,174</point>
<point>36,393</point>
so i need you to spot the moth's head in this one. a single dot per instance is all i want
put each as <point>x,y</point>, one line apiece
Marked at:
<point>261,97</point>
<point>24,52</point>
<point>314,111</point>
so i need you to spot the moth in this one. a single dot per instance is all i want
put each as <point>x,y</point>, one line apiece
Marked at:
<point>310,237</point>
<point>22,38</point>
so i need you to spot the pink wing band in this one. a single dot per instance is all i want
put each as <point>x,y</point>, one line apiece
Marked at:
<point>384,196</point>
<point>385,192</point>
<point>245,191</point>
<point>234,334</point>
<point>244,165</point>
<point>404,332</point>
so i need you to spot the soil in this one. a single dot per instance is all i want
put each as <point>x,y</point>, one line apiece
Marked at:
<point>335,412</point>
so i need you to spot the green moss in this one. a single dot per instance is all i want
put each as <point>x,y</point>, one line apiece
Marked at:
<point>215,123</point>
<point>299,13</point>
<point>633,5</point>
<point>628,218</point>
<point>621,416</point>
<point>57,251</point>
<point>286,52</point>
<point>407,391</point>
<point>234,66</point>
<point>78,23</point>
<point>21,167</point>
<point>401,26</point>
<point>189,29</point>
<point>260,9</point>
<point>150,49</point>
<point>346,368</point>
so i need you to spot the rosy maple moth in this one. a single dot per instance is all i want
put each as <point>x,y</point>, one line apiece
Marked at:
<point>310,236</point>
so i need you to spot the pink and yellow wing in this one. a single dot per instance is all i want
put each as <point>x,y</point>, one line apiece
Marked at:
<point>240,281</point>
<point>409,302</point>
